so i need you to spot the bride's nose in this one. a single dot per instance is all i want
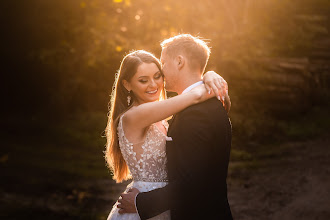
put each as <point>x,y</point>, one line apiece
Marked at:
<point>152,84</point>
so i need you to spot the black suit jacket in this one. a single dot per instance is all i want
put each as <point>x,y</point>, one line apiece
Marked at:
<point>197,163</point>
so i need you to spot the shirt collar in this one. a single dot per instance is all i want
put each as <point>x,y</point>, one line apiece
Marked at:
<point>192,86</point>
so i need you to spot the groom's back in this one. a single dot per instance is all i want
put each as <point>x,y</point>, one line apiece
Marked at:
<point>198,160</point>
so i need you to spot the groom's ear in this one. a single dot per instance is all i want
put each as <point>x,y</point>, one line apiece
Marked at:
<point>180,62</point>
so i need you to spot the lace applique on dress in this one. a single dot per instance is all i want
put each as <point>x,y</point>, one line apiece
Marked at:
<point>147,160</point>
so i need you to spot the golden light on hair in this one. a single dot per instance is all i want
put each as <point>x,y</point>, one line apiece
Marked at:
<point>194,48</point>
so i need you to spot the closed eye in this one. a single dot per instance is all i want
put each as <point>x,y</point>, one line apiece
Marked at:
<point>143,81</point>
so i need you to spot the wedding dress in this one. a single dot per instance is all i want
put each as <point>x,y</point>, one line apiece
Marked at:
<point>147,164</point>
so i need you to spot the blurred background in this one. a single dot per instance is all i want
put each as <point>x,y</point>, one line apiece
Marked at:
<point>59,59</point>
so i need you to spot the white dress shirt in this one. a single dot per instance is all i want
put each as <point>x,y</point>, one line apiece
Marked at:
<point>192,86</point>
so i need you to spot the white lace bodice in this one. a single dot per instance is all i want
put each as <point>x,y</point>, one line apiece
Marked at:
<point>147,160</point>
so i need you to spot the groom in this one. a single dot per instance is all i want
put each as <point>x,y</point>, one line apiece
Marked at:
<point>198,154</point>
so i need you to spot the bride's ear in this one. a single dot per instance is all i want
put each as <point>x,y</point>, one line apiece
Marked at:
<point>126,85</point>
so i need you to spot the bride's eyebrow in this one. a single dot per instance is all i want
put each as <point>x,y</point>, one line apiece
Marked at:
<point>148,76</point>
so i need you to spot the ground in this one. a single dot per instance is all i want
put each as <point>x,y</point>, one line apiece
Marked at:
<point>290,182</point>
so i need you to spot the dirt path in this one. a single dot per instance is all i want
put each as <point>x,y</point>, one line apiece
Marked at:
<point>293,183</point>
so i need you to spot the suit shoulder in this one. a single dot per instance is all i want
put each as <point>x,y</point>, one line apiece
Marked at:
<point>209,106</point>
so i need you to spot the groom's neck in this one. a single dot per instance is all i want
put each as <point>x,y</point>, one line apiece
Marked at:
<point>187,81</point>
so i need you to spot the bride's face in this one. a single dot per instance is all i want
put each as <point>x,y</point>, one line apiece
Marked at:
<point>146,84</point>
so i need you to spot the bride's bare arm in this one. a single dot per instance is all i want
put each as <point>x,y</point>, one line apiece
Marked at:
<point>148,113</point>
<point>142,116</point>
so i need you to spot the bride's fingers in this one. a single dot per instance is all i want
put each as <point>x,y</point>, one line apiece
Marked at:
<point>224,87</point>
<point>220,88</point>
<point>122,197</point>
<point>225,84</point>
<point>215,90</point>
<point>208,89</point>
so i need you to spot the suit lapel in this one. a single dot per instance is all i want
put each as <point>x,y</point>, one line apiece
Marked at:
<point>170,123</point>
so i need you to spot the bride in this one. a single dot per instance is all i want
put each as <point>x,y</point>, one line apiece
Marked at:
<point>137,127</point>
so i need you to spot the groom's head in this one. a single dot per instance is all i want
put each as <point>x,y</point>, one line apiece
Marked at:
<point>183,56</point>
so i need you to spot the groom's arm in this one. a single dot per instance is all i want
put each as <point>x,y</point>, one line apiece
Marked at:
<point>152,203</point>
<point>146,204</point>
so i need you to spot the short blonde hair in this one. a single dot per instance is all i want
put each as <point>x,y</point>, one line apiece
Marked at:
<point>194,48</point>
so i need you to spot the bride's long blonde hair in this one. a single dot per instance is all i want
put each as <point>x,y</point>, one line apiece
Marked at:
<point>118,105</point>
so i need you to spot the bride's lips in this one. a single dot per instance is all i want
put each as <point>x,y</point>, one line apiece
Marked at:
<point>153,92</point>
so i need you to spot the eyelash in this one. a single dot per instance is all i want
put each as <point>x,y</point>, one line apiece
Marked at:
<point>156,77</point>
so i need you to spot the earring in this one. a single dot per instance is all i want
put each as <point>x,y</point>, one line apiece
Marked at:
<point>129,98</point>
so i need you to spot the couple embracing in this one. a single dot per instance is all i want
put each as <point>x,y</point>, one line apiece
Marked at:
<point>179,168</point>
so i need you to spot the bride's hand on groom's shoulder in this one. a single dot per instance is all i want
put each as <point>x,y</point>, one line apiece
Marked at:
<point>202,93</point>
<point>127,201</point>
<point>216,84</point>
